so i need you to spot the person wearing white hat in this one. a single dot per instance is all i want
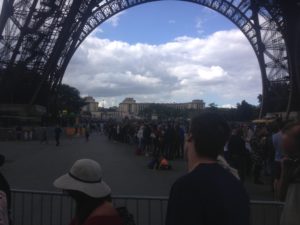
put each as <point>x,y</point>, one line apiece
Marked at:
<point>92,195</point>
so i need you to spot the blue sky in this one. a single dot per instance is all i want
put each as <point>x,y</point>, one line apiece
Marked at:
<point>160,22</point>
<point>166,51</point>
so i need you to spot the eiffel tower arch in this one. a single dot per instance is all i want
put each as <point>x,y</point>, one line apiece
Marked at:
<point>39,37</point>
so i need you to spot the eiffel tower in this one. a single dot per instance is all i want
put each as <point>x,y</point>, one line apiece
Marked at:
<point>39,37</point>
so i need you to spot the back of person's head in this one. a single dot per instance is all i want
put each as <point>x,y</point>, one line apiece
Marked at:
<point>293,131</point>
<point>209,132</point>
<point>2,160</point>
<point>280,125</point>
<point>239,132</point>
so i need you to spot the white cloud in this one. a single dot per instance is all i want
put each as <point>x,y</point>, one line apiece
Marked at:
<point>1,2</point>
<point>220,68</point>
<point>229,106</point>
<point>97,31</point>
<point>199,25</point>
<point>115,20</point>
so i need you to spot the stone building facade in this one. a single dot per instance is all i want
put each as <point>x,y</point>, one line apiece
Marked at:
<point>91,106</point>
<point>131,107</point>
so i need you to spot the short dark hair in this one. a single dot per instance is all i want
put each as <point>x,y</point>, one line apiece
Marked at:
<point>2,160</point>
<point>209,132</point>
<point>289,127</point>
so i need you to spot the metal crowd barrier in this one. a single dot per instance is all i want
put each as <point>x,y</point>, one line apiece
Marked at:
<point>53,208</point>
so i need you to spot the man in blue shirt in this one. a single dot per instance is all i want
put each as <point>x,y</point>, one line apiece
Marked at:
<point>208,194</point>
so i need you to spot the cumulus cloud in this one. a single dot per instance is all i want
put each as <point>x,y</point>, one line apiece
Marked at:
<point>220,68</point>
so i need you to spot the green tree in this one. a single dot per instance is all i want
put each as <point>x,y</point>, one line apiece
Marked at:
<point>68,99</point>
<point>213,105</point>
<point>260,99</point>
<point>246,111</point>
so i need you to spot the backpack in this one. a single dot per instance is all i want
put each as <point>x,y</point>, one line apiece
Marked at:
<point>126,216</point>
<point>152,163</point>
<point>3,209</point>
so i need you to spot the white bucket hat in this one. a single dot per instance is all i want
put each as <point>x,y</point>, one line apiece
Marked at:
<point>85,176</point>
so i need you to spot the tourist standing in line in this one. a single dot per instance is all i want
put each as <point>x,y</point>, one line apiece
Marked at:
<point>44,138</point>
<point>139,136</point>
<point>278,154</point>
<point>208,194</point>
<point>57,133</point>
<point>87,133</point>
<point>237,152</point>
<point>258,146</point>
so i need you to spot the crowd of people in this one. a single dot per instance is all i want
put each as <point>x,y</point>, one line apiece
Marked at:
<point>219,157</point>
<point>151,138</point>
<point>257,152</point>
<point>254,150</point>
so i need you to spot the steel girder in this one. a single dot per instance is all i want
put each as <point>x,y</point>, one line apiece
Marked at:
<point>42,35</point>
<point>291,31</point>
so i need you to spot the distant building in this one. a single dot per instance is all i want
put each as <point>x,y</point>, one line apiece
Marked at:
<point>91,104</point>
<point>129,106</point>
<point>91,107</point>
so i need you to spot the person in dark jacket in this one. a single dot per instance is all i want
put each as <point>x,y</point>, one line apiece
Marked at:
<point>237,152</point>
<point>209,194</point>
<point>57,132</point>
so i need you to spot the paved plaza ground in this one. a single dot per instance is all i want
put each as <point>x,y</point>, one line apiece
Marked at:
<point>34,166</point>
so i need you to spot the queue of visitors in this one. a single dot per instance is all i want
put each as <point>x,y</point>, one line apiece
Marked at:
<point>151,138</point>
<point>254,150</point>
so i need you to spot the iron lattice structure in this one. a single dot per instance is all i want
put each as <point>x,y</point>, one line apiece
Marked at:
<point>39,37</point>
